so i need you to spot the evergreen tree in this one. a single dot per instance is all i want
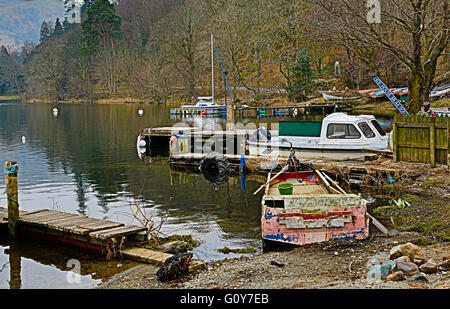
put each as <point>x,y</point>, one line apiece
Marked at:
<point>67,26</point>
<point>102,26</point>
<point>45,32</point>
<point>85,7</point>
<point>303,77</point>
<point>58,28</point>
<point>101,31</point>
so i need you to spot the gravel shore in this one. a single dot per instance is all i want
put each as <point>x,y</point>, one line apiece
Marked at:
<point>331,265</point>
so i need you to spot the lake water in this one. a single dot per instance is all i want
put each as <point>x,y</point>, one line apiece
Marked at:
<point>84,160</point>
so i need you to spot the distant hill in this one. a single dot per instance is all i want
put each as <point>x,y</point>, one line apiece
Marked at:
<point>20,20</point>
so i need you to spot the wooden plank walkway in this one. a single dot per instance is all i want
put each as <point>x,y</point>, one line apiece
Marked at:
<point>77,224</point>
<point>92,233</point>
<point>67,226</point>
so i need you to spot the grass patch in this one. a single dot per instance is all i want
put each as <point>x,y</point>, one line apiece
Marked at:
<point>192,243</point>
<point>441,103</point>
<point>427,215</point>
<point>434,183</point>
<point>433,227</point>
<point>9,97</point>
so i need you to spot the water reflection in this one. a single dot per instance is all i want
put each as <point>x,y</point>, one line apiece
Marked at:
<point>31,264</point>
<point>15,281</point>
<point>84,161</point>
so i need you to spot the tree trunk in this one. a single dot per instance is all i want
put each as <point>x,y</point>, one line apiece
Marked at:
<point>416,95</point>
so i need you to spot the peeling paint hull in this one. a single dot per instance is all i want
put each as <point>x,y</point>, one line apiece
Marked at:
<point>312,214</point>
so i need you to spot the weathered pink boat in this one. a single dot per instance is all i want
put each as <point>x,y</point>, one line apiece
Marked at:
<point>315,211</point>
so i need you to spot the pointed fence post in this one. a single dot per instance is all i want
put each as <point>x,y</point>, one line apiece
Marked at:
<point>12,196</point>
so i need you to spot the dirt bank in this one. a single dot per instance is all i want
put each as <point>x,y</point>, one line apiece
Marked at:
<point>337,265</point>
<point>425,221</point>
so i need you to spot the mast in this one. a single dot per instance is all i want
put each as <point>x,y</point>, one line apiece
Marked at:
<point>212,67</point>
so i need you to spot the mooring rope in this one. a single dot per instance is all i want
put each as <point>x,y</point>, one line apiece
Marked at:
<point>13,169</point>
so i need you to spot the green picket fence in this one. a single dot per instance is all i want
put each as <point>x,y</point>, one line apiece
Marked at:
<point>421,139</point>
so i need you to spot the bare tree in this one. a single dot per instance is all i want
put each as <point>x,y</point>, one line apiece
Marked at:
<point>182,31</point>
<point>416,32</point>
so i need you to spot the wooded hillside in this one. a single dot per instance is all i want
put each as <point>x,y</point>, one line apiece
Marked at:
<point>152,49</point>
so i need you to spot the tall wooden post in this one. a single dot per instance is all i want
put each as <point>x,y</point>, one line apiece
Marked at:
<point>12,198</point>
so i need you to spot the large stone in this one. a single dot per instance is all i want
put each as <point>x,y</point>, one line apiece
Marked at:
<point>377,259</point>
<point>403,258</point>
<point>391,264</point>
<point>395,252</point>
<point>378,272</point>
<point>430,267</point>
<point>410,250</point>
<point>174,247</point>
<point>396,276</point>
<point>418,261</point>
<point>446,263</point>
<point>420,277</point>
<point>408,268</point>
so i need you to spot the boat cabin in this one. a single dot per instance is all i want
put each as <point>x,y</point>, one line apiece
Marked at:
<point>203,102</point>
<point>337,128</point>
<point>337,137</point>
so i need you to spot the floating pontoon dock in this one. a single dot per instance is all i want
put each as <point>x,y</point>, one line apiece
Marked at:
<point>259,111</point>
<point>280,111</point>
<point>192,111</point>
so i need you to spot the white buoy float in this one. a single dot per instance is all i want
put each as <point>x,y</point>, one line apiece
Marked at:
<point>24,140</point>
<point>55,112</point>
<point>142,143</point>
<point>140,112</point>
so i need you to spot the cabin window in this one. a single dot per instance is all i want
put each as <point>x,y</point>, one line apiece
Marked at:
<point>342,131</point>
<point>378,127</point>
<point>366,130</point>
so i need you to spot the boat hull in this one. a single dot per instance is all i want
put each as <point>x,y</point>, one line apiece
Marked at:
<point>311,153</point>
<point>311,214</point>
<point>298,227</point>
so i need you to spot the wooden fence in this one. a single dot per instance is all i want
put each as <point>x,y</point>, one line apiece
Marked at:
<point>422,139</point>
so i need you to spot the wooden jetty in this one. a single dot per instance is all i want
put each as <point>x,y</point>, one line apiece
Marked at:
<point>159,138</point>
<point>284,111</point>
<point>193,111</point>
<point>79,231</point>
<point>257,111</point>
<point>82,231</point>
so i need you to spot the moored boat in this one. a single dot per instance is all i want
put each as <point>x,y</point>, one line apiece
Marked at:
<point>203,103</point>
<point>338,137</point>
<point>312,210</point>
<point>328,96</point>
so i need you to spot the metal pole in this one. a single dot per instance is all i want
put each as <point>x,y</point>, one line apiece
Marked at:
<point>212,67</point>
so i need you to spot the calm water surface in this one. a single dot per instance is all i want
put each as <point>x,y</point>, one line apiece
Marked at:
<point>84,160</point>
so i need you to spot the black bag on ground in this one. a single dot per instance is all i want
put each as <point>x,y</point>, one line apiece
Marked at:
<point>174,266</point>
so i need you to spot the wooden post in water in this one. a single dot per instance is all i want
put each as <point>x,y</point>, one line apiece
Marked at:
<point>12,198</point>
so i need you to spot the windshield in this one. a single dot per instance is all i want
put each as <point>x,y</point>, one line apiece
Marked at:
<point>366,130</point>
<point>378,127</point>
